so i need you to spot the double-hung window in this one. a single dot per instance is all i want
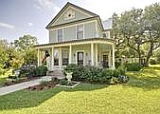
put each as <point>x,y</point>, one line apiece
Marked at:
<point>59,35</point>
<point>80,32</point>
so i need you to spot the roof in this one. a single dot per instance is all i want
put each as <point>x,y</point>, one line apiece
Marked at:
<point>74,41</point>
<point>67,5</point>
<point>107,24</point>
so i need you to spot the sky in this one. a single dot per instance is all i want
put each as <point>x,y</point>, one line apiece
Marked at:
<point>22,17</point>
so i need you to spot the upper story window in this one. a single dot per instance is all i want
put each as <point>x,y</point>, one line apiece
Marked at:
<point>80,32</point>
<point>59,35</point>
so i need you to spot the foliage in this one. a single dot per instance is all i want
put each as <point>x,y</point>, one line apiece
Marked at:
<point>141,92</point>
<point>63,82</point>
<point>133,67</point>
<point>26,42</point>
<point>153,61</point>
<point>94,74</point>
<point>139,30</point>
<point>40,71</point>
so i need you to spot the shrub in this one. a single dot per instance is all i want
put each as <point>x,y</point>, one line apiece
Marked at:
<point>153,61</point>
<point>40,71</point>
<point>63,82</point>
<point>94,74</point>
<point>117,64</point>
<point>122,70</point>
<point>71,68</point>
<point>133,67</point>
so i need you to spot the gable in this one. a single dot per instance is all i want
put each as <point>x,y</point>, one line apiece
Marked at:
<point>70,13</point>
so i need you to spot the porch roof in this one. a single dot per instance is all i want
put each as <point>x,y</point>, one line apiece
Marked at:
<point>80,41</point>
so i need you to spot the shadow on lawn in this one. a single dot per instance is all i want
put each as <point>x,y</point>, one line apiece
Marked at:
<point>26,99</point>
<point>145,82</point>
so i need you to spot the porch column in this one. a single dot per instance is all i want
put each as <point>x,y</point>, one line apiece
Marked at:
<point>113,57</point>
<point>70,54</point>
<point>109,59</point>
<point>60,58</point>
<point>52,56</point>
<point>92,54</point>
<point>38,58</point>
<point>96,53</point>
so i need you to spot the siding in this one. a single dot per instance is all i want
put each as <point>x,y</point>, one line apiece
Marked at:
<point>78,16</point>
<point>69,33</point>
<point>52,36</point>
<point>90,30</point>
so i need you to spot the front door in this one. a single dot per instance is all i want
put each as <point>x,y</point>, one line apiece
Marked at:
<point>80,58</point>
<point>105,61</point>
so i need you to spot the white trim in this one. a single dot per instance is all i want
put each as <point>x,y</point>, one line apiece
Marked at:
<point>63,13</point>
<point>75,43</point>
<point>77,31</point>
<point>38,57</point>
<point>67,26</point>
<point>92,54</point>
<point>96,26</point>
<point>84,56</point>
<point>62,34</point>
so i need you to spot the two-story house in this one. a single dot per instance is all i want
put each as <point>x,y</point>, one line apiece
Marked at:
<point>78,36</point>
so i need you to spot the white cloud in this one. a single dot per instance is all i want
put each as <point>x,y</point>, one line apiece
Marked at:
<point>44,4</point>
<point>106,8</point>
<point>30,24</point>
<point>5,25</point>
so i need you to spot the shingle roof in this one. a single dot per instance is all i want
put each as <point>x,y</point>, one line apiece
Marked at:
<point>107,24</point>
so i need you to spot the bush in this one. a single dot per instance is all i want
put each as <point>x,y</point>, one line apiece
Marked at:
<point>133,67</point>
<point>40,71</point>
<point>153,61</point>
<point>63,82</point>
<point>94,74</point>
<point>71,68</point>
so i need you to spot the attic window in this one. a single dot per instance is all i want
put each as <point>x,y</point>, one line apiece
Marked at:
<point>69,14</point>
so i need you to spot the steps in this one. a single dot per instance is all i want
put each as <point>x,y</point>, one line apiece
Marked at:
<point>56,73</point>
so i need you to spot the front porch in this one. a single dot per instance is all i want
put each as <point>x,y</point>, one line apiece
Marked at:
<point>97,52</point>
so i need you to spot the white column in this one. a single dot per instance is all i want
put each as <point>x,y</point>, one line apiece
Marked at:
<point>60,58</point>
<point>70,54</point>
<point>38,58</point>
<point>52,58</point>
<point>92,54</point>
<point>113,57</point>
<point>96,54</point>
<point>109,59</point>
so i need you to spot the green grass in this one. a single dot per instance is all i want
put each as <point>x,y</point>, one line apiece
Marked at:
<point>141,95</point>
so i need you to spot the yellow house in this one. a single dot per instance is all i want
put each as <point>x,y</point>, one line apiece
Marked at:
<point>78,36</point>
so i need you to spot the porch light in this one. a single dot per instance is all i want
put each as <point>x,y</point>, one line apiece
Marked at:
<point>74,54</point>
<point>86,54</point>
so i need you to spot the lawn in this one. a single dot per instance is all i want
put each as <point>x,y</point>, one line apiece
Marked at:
<point>141,95</point>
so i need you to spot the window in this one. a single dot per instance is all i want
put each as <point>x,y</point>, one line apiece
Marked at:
<point>80,32</point>
<point>56,58</point>
<point>59,34</point>
<point>65,56</point>
<point>69,14</point>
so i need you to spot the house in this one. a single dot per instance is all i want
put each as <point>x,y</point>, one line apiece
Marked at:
<point>78,36</point>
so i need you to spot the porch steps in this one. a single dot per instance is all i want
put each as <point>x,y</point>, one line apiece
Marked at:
<point>56,73</point>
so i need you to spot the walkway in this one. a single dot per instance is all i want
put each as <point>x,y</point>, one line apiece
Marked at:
<point>20,86</point>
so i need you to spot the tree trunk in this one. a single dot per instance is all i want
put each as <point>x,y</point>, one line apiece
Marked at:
<point>150,52</point>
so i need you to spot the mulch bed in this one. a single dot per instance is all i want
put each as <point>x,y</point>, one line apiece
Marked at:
<point>41,87</point>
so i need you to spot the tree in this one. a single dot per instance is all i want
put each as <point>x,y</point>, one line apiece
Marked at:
<point>25,45</point>
<point>25,42</point>
<point>137,29</point>
<point>152,33</point>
